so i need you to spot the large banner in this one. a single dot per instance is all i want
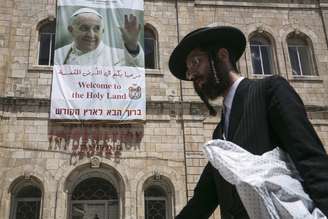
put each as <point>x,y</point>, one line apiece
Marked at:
<point>98,71</point>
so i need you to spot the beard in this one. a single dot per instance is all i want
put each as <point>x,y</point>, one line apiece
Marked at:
<point>211,88</point>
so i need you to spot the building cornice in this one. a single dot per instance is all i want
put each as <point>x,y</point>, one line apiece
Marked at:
<point>257,4</point>
<point>160,110</point>
<point>38,108</point>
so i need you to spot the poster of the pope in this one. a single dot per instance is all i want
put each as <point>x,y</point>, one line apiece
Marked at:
<point>98,69</point>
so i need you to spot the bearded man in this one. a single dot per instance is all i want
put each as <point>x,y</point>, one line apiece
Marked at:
<point>258,116</point>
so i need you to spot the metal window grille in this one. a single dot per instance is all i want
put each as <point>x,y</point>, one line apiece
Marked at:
<point>155,208</point>
<point>27,202</point>
<point>28,208</point>
<point>94,198</point>
<point>155,203</point>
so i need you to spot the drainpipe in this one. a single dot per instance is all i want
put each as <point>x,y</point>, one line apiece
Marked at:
<point>181,103</point>
<point>57,184</point>
<point>323,23</point>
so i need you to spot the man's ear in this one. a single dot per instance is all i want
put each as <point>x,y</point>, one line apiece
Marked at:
<point>223,55</point>
<point>70,28</point>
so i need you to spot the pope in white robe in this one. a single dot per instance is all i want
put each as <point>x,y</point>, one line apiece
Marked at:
<point>86,27</point>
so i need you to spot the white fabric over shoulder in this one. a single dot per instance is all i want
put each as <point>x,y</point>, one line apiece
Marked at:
<point>268,185</point>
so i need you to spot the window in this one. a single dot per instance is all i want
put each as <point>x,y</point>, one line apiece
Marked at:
<point>300,56</point>
<point>94,198</point>
<point>158,197</point>
<point>26,201</point>
<point>155,203</point>
<point>150,49</point>
<point>47,43</point>
<point>262,55</point>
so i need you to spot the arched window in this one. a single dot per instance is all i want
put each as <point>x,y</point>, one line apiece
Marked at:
<point>46,45</point>
<point>94,198</point>
<point>151,51</point>
<point>26,201</point>
<point>262,55</point>
<point>156,203</point>
<point>300,55</point>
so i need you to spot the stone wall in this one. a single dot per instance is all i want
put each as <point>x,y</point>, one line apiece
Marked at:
<point>168,143</point>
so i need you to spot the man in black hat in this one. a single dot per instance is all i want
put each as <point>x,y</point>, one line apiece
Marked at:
<point>258,116</point>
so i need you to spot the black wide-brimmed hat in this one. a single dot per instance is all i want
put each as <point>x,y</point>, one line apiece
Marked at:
<point>220,36</point>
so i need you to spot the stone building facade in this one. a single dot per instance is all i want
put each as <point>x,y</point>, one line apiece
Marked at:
<point>158,162</point>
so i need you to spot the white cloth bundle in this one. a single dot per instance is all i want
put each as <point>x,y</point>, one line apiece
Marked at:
<point>268,185</point>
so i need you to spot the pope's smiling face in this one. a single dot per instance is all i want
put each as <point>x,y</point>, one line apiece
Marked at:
<point>87,30</point>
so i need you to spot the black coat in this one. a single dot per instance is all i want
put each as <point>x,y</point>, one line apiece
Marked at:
<point>265,113</point>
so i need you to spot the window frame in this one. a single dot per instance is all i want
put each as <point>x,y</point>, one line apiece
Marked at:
<point>165,199</point>
<point>17,186</point>
<point>52,24</point>
<point>86,202</point>
<point>296,41</point>
<point>153,32</point>
<point>268,44</point>
<point>165,188</point>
